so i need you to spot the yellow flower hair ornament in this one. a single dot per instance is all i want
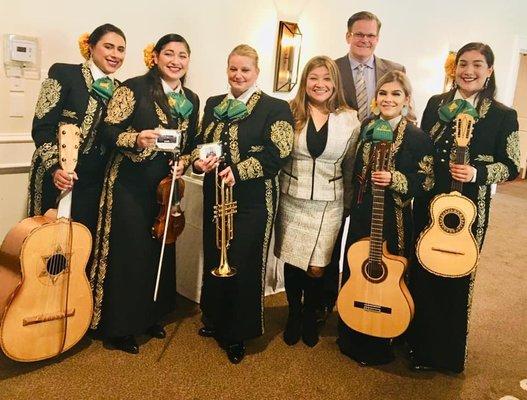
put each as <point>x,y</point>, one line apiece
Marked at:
<point>148,55</point>
<point>84,46</point>
<point>450,65</point>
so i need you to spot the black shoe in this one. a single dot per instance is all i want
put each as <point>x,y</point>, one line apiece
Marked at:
<point>322,314</point>
<point>125,343</point>
<point>309,329</point>
<point>420,367</point>
<point>207,332</point>
<point>293,329</point>
<point>157,331</point>
<point>236,352</point>
<point>381,360</point>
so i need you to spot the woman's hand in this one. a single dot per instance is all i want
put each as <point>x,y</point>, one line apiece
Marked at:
<point>146,138</point>
<point>462,172</point>
<point>381,178</point>
<point>62,180</point>
<point>207,165</point>
<point>228,176</point>
<point>178,170</point>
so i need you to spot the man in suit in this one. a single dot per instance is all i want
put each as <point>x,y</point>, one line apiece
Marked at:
<point>360,70</point>
<point>360,65</point>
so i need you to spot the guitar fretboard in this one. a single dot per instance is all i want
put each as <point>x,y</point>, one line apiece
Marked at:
<point>461,153</point>
<point>377,222</point>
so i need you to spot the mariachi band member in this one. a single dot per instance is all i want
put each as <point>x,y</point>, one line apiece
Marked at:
<point>75,94</point>
<point>410,174</point>
<point>257,135</point>
<point>126,256</point>
<point>439,331</point>
<point>313,185</point>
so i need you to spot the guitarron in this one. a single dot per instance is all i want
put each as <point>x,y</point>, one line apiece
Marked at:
<point>375,300</point>
<point>447,246</point>
<point>45,298</point>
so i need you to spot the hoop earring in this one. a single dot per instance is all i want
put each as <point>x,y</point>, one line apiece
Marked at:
<point>486,82</point>
<point>404,111</point>
<point>454,85</point>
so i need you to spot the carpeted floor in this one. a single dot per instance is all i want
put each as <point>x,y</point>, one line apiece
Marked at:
<point>187,366</point>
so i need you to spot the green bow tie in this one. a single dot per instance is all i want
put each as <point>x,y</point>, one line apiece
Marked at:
<point>230,110</point>
<point>104,87</point>
<point>180,106</point>
<point>378,130</point>
<point>449,111</point>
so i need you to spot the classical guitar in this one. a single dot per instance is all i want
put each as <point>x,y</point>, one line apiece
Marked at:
<point>45,298</point>
<point>447,246</point>
<point>375,300</point>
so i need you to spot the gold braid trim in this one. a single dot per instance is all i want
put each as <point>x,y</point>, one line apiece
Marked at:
<point>194,155</point>
<point>399,182</point>
<point>121,105</point>
<point>87,124</point>
<point>497,172</point>
<point>482,213</point>
<point>255,149</point>
<point>48,97</point>
<point>484,108</point>
<point>250,169</point>
<point>485,158</point>
<point>233,143</point>
<point>282,135</point>
<point>160,114</point>
<point>426,167</point>
<point>399,206</point>
<point>86,73</point>
<point>398,140</point>
<point>265,247</point>
<point>216,136</point>
<point>186,160</point>
<point>513,148</point>
<point>142,156</point>
<point>102,241</point>
<point>127,139</point>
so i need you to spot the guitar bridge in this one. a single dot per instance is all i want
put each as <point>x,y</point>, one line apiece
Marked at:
<point>372,307</point>
<point>448,251</point>
<point>37,319</point>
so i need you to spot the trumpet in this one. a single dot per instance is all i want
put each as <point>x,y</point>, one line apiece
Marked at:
<point>224,211</point>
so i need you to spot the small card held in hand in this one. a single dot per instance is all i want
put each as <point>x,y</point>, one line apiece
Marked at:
<point>209,149</point>
<point>168,140</point>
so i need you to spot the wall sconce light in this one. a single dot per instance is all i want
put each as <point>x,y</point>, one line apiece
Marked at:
<point>287,56</point>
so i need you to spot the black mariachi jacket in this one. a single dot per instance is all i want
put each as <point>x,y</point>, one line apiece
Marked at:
<point>493,151</point>
<point>65,98</point>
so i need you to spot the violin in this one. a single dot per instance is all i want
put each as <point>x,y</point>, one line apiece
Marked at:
<point>176,218</point>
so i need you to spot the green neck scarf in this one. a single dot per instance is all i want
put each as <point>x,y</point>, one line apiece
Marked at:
<point>377,130</point>
<point>104,87</point>
<point>230,110</point>
<point>180,106</point>
<point>449,111</point>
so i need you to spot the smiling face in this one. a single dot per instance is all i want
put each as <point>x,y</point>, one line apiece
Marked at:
<point>241,73</point>
<point>472,71</point>
<point>172,62</point>
<point>319,86</point>
<point>108,53</point>
<point>390,99</point>
<point>362,39</point>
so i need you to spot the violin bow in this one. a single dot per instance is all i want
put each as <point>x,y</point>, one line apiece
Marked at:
<point>160,264</point>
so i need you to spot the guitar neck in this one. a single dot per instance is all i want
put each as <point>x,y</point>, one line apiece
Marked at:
<point>377,223</point>
<point>64,207</point>
<point>461,153</point>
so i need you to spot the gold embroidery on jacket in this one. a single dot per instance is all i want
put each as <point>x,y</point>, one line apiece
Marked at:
<point>250,169</point>
<point>48,98</point>
<point>121,105</point>
<point>426,167</point>
<point>282,135</point>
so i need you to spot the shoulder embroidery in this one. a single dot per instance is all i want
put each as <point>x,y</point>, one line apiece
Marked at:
<point>121,105</point>
<point>282,136</point>
<point>48,98</point>
<point>161,115</point>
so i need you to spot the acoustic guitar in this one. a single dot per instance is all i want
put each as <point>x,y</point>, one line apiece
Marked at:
<point>447,246</point>
<point>375,300</point>
<point>45,297</point>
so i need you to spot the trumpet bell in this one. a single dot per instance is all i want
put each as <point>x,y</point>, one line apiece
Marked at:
<point>224,271</point>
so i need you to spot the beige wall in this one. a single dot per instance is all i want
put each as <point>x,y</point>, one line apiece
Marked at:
<point>415,33</point>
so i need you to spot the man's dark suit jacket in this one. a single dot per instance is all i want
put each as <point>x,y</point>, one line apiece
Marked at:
<point>382,66</point>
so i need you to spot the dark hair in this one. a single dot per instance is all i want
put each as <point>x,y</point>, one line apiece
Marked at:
<point>153,74</point>
<point>485,50</point>
<point>363,15</point>
<point>102,30</point>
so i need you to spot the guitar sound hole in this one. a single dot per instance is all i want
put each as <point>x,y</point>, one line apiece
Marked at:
<point>56,264</point>
<point>374,271</point>
<point>451,220</point>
